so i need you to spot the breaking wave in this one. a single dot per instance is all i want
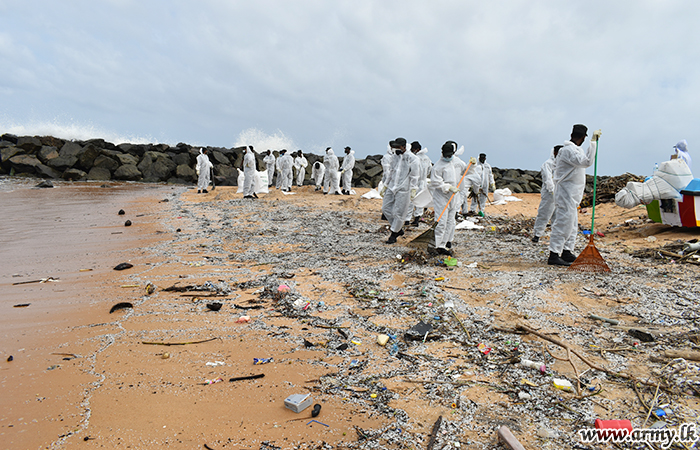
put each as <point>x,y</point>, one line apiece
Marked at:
<point>262,141</point>
<point>72,131</point>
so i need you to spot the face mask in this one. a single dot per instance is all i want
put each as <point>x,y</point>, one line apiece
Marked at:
<point>448,159</point>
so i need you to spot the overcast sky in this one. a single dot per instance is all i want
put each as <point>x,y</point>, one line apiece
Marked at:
<point>506,78</point>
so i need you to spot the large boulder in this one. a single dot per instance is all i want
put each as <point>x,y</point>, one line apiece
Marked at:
<point>29,144</point>
<point>70,149</point>
<point>50,141</point>
<point>127,172</point>
<point>226,171</point>
<point>182,158</point>
<point>156,166</point>
<point>25,163</point>
<point>216,157</point>
<point>9,138</point>
<point>99,173</point>
<point>87,157</point>
<point>74,175</point>
<point>46,153</point>
<point>47,172</point>
<point>62,162</point>
<point>8,152</point>
<point>185,172</point>
<point>105,162</point>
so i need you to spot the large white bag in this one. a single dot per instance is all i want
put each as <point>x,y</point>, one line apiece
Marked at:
<point>655,188</point>
<point>261,182</point>
<point>676,172</point>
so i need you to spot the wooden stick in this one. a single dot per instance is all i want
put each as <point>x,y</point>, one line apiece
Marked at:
<point>460,322</point>
<point>178,343</point>
<point>434,432</point>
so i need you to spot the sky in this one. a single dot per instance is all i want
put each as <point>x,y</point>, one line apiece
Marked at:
<point>505,78</point>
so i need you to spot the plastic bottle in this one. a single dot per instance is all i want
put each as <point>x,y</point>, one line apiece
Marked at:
<point>533,365</point>
<point>656,167</point>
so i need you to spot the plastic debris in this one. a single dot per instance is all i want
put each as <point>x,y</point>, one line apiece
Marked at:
<point>562,384</point>
<point>258,361</point>
<point>298,402</point>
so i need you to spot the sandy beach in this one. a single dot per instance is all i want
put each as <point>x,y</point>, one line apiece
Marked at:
<point>81,376</point>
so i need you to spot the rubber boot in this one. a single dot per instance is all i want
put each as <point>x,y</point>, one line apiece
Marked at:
<point>555,260</point>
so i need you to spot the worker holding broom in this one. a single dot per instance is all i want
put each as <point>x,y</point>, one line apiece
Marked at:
<point>570,181</point>
<point>444,187</point>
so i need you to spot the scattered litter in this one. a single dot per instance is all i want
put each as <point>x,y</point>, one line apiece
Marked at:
<point>120,305</point>
<point>483,348</point>
<point>641,335</point>
<point>382,339</point>
<point>215,380</point>
<point>249,377</point>
<point>298,402</point>
<point>243,319</point>
<point>533,365</point>
<point>604,319</point>
<point>43,280</point>
<point>562,384</point>
<point>150,288</point>
<point>121,212</point>
<point>123,266</point>
<point>21,305</point>
<point>215,363</point>
<point>320,423</point>
<point>214,306</point>
<point>418,332</point>
<point>165,355</point>
<point>10,358</point>
<point>317,409</point>
<point>258,361</point>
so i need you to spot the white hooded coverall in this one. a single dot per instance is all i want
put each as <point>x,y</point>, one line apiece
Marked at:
<point>331,182</point>
<point>300,163</point>
<point>204,169</point>
<point>403,178</point>
<point>269,161</point>
<point>546,208</point>
<point>482,187</point>
<point>317,171</point>
<point>286,163</point>
<point>445,174</point>
<point>570,181</point>
<point>348,165</point>
<point>426,166</point>
<point>249,172</point>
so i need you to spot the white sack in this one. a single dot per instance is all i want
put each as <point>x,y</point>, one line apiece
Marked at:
<point>468,225</point>
<point>655,188</point>
<point>423,199</point>
<point>676,172</point>
<point>501,194</point>
<point>261,182</point>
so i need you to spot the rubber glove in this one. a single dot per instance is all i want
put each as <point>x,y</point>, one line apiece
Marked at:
<point>493,186</point>
<point>197,170</point>
<point>454,189</point>
<point>596,135</point>
<point>414,192</point>
<point>383,191</point>
<point>549,186</point>
<point>472,160</point>
<point>342,172</point>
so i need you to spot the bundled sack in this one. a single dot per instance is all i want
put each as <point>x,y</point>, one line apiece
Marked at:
<point>668,180</point>
<point>261,182</point>
<point>654,188</point>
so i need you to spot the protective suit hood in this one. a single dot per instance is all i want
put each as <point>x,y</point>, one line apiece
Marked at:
<point>330,152</point>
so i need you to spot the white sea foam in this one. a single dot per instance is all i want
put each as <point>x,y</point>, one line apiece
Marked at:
<point>262,141</point>
<point>71,131</point>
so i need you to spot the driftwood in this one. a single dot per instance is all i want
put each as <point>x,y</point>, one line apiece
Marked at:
<point>434,432</point>
<point>178,343</point>
<point>685,354</point>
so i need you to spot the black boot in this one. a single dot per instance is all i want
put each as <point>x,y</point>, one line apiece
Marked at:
<point>567,256</point>
<point>392,238</point>
<point>448,245</point>
<point>416,221</point>
<point>555,260</point>
<point>535,238</point>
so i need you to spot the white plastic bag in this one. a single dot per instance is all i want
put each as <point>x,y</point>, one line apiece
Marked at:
<point>655,188</point>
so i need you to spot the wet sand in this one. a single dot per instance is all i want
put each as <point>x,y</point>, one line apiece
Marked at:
<point>115,389</point>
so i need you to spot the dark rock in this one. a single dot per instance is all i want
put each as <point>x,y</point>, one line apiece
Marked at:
<point>44,184</point>
<point>121,212</point>
<point>9,138</point>
<point>127,172</point>
<point>182,181</point>
<point>123,266</point>
<point>46,153</point>
<point>182,159</point>
<point>105,162</point>
<point>99,143</point>
<point>123,158</point>
<point>127,223</point>
<point>70,149</point>
<point>74,175</point>
<point>374,171</point>
<point>25,163</point>
<point>8,152</point>
<point>226,171</point>
<point>185,172</point>
<point>217,157</point>
<point>87,157</point>
<point>99,173</point>
<point>29,144</point>
<point>214,306</point>
<point>156,166</point>
<point>50,141</point>
<point>120,305</point>
<point>47,172</point>
<point>62,162</point>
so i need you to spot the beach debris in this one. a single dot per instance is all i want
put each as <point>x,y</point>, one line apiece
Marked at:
<point>316,411</point>
<point>150,288</point>
<point>483,348</point>
<point>21,305</point>
<point>42,280</point>
<point>120,305</point>
<point>506,437</point>
<point>604,319</point>
<point>259,361</point>
<point>613,425</point>
<point>316,421</point>
<point>308,344</point>
<point>243,319</point>
<point>179,343</point>
<point>44,184</point>
<point>382,339</point>
<point>10,358</point>
<point>643,336</point>
<point>165,355</point>
<point>562,384</point>
<point>215,380</point>
<point>123,266</point>
<point>342,347</point>
<point>434,433</point>
<point>215,363</point>
<point>298,402</point>
<point>214,306</point>
<point>248,377</point>
<point>53,367</point>
<point>127,223</point>
<point>418,332</point>
<point>121,212</point>
<point>533,365</point>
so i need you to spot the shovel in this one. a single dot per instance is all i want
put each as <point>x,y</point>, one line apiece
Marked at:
<point>428,236</point>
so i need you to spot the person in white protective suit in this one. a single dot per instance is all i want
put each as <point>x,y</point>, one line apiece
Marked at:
<point>401,188</point>
<point>470,182</point>
<point>269,161</point>
<point>546,208</point>
<point>249,172</point>
<point>331,181</point>
<point>386,167</point>
<point>483,186</point>
<point>346,170</point>
<point>300,164</point>
<point>443,185</point>
<point>286,164</point>
<point>203,169</point>
<point>278,170</point>
<point>681,149</point>
<point>426,165</point>
<point>569,182</point>
<point>317,172</point>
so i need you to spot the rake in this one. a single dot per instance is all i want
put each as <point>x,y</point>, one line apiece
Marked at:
<point>589,260</point>
<point>428,236</point>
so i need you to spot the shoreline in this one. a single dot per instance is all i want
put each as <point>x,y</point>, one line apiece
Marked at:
<point>330,251</point>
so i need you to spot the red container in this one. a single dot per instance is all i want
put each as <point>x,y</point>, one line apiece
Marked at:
<point>613,424</point>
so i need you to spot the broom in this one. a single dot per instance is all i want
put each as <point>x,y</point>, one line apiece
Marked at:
<point>428,236</point>
<point>589,260</point>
